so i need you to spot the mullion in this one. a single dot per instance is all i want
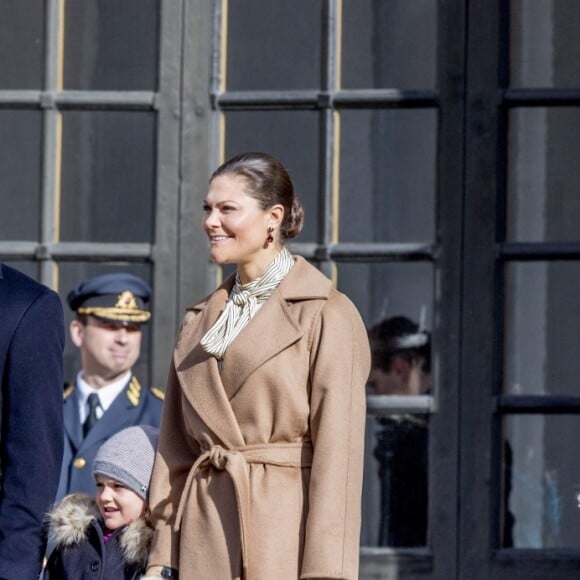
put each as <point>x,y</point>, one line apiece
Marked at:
<point>48,202</point>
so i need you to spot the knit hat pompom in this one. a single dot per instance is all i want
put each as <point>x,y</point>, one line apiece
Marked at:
<point>128,458</point>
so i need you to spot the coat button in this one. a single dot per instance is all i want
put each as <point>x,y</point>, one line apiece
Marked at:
<point>80,462</point>
<point>95,566</point>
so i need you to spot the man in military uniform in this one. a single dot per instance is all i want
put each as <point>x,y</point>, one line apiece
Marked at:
<point>106,397</point>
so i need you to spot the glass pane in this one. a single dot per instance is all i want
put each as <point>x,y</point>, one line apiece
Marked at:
<point>541,330</point>
<point>544,43</point>
<point>544,175</point>
<point>29,268</point>
<point>388,44</point>
<point>395,484</point>
<point>292,137</point>
<point>111,45</point>
<point>387,176</point>
<point>274,45</point>
<point>71,274</point>
<point>21,44</point>
<point>383,290</point>
<point>20,167</point>
<point>108,176</point>
<point>541,497</point>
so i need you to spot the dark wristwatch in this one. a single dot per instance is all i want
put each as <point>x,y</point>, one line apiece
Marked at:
<point>169,573</point>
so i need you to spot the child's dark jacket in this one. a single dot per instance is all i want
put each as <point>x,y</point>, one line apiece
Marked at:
<point>76,532</point>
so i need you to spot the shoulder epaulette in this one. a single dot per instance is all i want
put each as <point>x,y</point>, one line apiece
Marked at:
<point>157,392</point>
<point>68,390</point>
<point>134,391</point>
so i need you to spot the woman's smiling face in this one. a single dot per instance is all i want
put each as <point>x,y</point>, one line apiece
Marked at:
<point>237,227</point>
<point>117,504</point>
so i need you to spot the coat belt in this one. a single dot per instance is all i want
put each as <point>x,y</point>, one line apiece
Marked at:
<point>235,462</point>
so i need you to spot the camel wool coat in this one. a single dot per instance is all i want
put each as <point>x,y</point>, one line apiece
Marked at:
<point>258,473</point>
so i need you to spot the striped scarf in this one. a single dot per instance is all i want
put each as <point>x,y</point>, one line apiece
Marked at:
<point>243,303</point>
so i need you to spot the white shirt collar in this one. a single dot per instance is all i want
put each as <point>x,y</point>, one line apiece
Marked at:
<point>107,394</point>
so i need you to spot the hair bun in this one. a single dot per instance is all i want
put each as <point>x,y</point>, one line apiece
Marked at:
<point>292,226</point>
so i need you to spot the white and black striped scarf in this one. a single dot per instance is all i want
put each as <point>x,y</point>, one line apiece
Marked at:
<point>243,303</point>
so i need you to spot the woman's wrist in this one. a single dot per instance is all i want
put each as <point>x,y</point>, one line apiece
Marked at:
<point>161,572</point>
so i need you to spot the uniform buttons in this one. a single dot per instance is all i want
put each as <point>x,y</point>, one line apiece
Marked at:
<point>95,566</point>
<point>80,462</point>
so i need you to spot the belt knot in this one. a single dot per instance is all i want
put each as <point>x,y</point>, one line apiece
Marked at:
<point>216,455</point>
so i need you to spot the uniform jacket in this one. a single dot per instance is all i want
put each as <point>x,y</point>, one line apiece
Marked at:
<point>76,531</point>
<point>132,406</point>
<point>259,466</point>
<point>31,345</point>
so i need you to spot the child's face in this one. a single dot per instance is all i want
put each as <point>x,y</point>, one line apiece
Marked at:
<point>118,504</point>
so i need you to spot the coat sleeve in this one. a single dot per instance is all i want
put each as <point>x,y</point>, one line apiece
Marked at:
<point>339,370</point>
<point>176,454</point>
<point>32,435</point>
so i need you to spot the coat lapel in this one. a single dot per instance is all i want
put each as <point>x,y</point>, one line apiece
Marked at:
<point>198,371</point>
<point>274,327</point>
<point>268,333</point>
<point>272,330</point>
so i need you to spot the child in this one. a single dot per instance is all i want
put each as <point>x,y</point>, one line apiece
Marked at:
<point>107,537</point>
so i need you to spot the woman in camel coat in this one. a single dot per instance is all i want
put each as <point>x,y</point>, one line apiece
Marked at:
<point>259,468</point>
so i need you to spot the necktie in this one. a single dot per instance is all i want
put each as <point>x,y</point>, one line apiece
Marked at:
<point>92,418</point>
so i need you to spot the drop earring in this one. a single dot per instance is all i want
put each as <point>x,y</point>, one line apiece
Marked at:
<point>270,238</point>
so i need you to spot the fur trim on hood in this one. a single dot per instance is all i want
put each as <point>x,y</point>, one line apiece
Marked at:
<point>70,520</point>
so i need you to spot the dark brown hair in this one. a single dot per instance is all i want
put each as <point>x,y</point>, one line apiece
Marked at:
<point>269,183</point>
<point>387,341</point>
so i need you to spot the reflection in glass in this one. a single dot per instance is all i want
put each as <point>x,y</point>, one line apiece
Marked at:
<point>396,302</point>
<point>541,331</point>
<point>401,365</point>
<point>20,167</point>
<point>274,45</point>
<point>292,137</point>
<point>71,274</point>
<point>389,44</point>
<point>401,357</point>
<point>544,43</point>
<point>542,478</point>
<point>108,176</point>
<point>111,45</point>
<point>543,175</point>
<point>388,176</point>
<point>396,481</point>
<point>21,44</point>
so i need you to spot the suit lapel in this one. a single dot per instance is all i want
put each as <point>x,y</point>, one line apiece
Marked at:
<point>118,416</point>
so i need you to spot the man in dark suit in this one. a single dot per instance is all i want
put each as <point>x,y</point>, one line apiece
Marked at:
<point>105,397</point>
<point>31,347</point>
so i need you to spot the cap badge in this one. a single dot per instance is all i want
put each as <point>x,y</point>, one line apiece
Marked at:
<point>126,300</point>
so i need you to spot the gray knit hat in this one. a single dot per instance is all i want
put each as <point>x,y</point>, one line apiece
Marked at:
<point>128,457</point>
